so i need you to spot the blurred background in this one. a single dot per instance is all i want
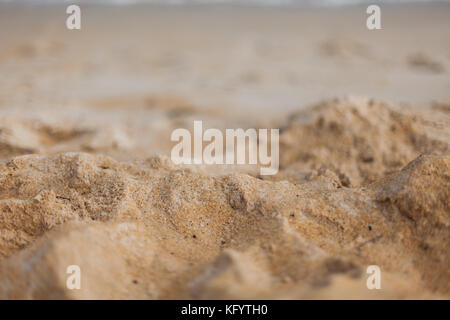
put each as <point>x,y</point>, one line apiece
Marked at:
<point>138,69</point>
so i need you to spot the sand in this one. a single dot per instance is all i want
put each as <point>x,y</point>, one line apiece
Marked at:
<point>86,177</point>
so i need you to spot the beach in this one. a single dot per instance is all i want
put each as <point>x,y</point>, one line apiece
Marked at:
<point>86,176</point>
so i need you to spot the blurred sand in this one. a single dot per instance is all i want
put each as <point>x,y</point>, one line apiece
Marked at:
<point>85,123</point>
<point>146,67</point>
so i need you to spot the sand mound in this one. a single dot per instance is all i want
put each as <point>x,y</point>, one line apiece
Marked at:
<point>359,139</point>
<point>353,191</point>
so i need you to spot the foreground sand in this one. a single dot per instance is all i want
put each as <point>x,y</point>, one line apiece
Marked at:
<point>85,133</point>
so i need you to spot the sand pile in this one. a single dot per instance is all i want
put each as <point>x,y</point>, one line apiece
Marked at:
<point>360,140</point>
<point>360,183</point>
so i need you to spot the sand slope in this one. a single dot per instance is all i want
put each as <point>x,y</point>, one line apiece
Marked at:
<point>360,194</point>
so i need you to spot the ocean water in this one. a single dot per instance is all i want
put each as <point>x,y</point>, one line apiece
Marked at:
<point>233,2</point>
